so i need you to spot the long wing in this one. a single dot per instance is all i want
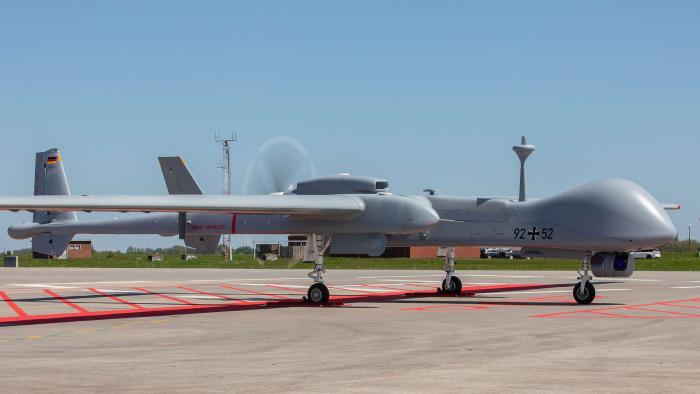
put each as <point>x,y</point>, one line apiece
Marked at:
<point>253,204</point>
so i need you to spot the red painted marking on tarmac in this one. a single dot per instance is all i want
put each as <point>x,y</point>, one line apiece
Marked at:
<point>679,306</point>
<point>446,308</point>
<point>19,311</point>
<point>256,292</point>
<point>65,301</point>
<point>663,311</point>
<point>115,298</point>
<point>223,297</point>
<point>165,296</point>
<point>126,313</point>
<point>612,311</point>
<point>139,311</point>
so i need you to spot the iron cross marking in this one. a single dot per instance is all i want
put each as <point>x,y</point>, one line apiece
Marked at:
<point>533,234</point>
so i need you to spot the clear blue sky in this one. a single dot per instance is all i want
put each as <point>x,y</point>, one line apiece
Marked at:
<point>422,93</point>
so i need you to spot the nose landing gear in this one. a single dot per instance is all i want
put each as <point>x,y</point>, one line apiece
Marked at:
<point>316,246</point>
<point>584,291</point>
<point>451,284</point>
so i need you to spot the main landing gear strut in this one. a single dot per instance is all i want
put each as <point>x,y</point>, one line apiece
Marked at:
<point>584,292</point>
<point>451,284</point>
<point>316,246</point>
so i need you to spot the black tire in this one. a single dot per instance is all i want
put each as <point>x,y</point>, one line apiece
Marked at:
<point>318,294</point>
<point>455,286</point>
<point>649,257</point>
<point>588,293</point>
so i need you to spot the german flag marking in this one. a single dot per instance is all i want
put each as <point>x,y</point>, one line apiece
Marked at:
<point>53,159</point>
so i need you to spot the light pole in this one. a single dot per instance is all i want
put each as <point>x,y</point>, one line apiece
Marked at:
<point>689,244</point>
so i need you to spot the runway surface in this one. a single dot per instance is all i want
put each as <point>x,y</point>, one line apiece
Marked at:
<point>245,330</point>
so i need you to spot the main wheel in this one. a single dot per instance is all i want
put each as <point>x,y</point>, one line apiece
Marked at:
<point>454,287</point>
<point>585,297</point>
<point>318,293</point>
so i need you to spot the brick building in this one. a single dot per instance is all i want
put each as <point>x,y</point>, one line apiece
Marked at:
<point>79,250</point>
<point>430,252</point>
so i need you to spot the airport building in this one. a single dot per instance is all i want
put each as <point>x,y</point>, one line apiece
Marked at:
<point>296,245</point>
<point>79,250</point>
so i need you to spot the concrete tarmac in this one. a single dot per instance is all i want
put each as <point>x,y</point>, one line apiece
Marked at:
<point>640,335</point>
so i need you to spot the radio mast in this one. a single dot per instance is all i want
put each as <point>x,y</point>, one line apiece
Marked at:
<point>225,165</point>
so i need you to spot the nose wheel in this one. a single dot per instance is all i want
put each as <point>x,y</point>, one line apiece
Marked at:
<point>585,294</point>
<point>584,291</point>
<point>454,286</point>
<point>316,246</point>
<point>451,284</point>
<point>318,294</point>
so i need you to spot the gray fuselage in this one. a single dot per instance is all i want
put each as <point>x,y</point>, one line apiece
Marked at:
<point>611,215</point>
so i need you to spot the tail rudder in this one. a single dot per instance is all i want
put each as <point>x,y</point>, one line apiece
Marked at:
<point>50,180</point>
<point>179,180</point>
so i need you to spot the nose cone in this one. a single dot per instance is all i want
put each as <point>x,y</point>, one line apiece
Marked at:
<point>429,217</point>
<point>422,215</point>
<point>620,211</point>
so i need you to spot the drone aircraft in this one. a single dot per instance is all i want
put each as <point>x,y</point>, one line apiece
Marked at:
<point>599,223</point>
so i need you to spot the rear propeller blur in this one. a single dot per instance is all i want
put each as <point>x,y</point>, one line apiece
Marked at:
<point>281,162</point>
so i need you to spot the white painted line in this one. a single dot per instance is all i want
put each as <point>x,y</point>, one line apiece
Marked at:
<point>238,280</point>
<point>362,289</point>
<point>43,286</point>
<point>637,280</point>
<point>621,279</point>
<point>199,297</point>
<point>110,291</point>
<point>530,292</point>
<point>414,281</point>
<point>506,276</point>
<point>269,284</point>
<point>398,276</point>
<point>686,287</point>
<point>103,283</point>
<point>549,291</point>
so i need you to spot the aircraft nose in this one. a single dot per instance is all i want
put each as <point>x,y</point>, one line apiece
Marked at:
<point>619,214</point>
<point>665,231</point>
<point>430,218</point>
<point>422,215</point>
<point>639,215</point>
